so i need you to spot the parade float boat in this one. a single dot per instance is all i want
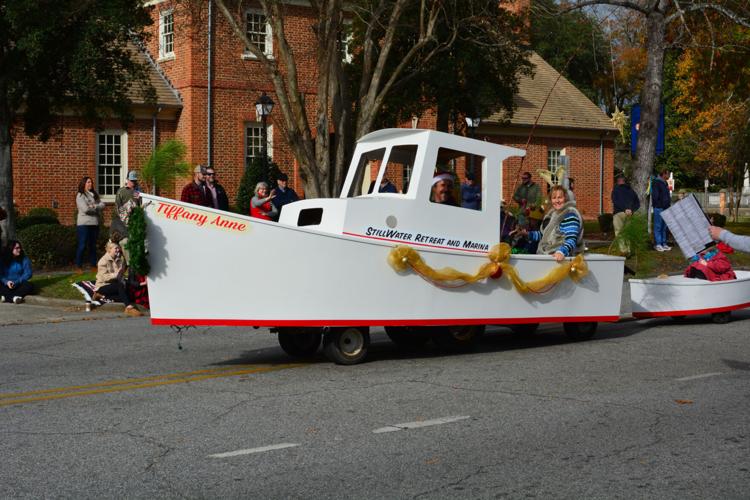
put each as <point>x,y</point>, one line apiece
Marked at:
<point>323,270</point>
<point>678,296</point>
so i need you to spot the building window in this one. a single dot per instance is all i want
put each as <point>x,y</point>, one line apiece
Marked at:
<point>258,31</point>
<point>553,161</point>
<point>254,141</point>
<point>111,163</point>
<point>166,34</point>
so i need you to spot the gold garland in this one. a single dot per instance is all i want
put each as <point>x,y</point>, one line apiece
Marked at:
<point>403,256</point>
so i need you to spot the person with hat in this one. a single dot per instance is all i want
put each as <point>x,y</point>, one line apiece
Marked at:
<point>284,194</point>
<point>624,203</point>
<point>442,190</point>
<point>471,194</point>
<point>195,192</point>
<point>126,199</point>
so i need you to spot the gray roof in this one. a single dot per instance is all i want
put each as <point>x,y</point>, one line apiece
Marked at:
<point>566,108</point>
<point>166,95</point>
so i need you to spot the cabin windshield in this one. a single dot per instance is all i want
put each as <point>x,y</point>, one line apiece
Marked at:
<point>392,176</point>
<point>457,179</point>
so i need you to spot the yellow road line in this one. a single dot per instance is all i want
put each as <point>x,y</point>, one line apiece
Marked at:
<point>127,381</point>
<point>120,386</point>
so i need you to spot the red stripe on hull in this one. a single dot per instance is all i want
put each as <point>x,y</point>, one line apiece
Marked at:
<point>689,312</point>
<point>354,322</point>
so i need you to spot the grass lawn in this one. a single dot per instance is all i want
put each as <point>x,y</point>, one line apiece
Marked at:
<point>59,286</point>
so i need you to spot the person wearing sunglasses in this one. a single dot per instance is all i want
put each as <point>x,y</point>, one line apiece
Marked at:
<point>217,195</point>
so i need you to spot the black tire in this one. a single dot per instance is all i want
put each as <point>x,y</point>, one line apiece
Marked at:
<point>721,318</point>
<point>407,337</point>
<point>580,331</point>
<point>346,346</point>
<point>524,329</point>
<point>459,338</point>
<point>300,342</point>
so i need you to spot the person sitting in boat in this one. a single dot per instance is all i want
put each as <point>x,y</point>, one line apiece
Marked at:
<point>471,193</point>
<point>561,232</point>
<point>736,241</point>
<point>110,278</point>
<point>442,190</point>
<point>386,186</point>
<point>261,206</point>
<point>711,265</point>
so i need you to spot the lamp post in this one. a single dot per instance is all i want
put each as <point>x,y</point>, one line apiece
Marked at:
<point>263,108</point>
<point>472,124</point>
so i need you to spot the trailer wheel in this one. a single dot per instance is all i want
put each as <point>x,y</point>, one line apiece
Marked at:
<point>721,318</point>
<point>580,331</point>
<point>346,346</point>
<point>407,337</point>
<point>523,329</point>
<point>458,337</point>
<point>300,342</point>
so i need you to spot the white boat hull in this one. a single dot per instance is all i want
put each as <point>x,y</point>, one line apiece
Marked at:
<point>270,274</point>
<point>680,296</point>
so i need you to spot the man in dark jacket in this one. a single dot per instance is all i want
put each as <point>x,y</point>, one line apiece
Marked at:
<point>624,203</point>
<point>284,194</point>
<point>215,191</point>
<point>195,192</point>
<point>660,200</point>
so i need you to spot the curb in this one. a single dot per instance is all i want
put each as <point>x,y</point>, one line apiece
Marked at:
<point>38,300</point>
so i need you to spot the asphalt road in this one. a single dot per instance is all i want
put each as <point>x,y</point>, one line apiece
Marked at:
<point>112,408</point>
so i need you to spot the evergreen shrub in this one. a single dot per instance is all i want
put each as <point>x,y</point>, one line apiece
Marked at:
<point>49,245</point>
<point>35,220</point>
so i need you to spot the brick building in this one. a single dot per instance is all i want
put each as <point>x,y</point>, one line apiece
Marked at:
<point>46,175</point>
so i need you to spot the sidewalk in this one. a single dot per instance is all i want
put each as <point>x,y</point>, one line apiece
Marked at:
<point>38,309</point>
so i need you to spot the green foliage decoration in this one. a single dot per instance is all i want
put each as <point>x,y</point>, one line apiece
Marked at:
<point>255,172</point>
<point>633,238</point>
<point>165,165</point>
<point>49,245</point>
<point>136,245</point>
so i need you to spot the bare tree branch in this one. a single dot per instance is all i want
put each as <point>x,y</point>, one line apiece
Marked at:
<point>713,6</point>
<point>615,3</point>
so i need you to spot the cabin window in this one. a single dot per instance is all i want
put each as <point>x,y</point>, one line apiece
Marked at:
<point>367,171</point>
<point>397,171</point>
<point>450,184</point>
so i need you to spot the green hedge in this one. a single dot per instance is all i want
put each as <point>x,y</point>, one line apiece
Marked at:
<point>35,220</point>
<point>49,245</point>
<point>42,211</point>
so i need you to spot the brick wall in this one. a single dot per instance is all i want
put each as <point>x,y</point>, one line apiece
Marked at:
<point>47,174</point>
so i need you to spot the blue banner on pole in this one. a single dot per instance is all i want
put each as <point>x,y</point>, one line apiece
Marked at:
<point>635,122</point>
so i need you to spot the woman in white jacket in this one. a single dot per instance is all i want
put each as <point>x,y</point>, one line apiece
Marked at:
<point>87,224</point>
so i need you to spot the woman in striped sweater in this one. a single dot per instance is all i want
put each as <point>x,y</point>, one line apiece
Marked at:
<point>561,232</point>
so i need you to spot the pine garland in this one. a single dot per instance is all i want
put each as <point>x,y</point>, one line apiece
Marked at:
<point>136,245</point>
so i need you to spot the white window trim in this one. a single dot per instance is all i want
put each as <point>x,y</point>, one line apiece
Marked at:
<point>110,198</point>
<point>269,36</point>
<point>269,137</point>
<point>165,56</point>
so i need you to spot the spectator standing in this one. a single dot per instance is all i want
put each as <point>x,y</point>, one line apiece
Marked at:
<point>527,196</point>
<point>128,197</point>
<point>15,273</point>
<point>195,192</point>
<point>471,194</point>
<point>571,185</point>
<point>660,200</point>
<point>284,194</point>
<point>110,281</point>
<point>261,206</point>
<point>89,207</point>
<point>624,203</point>
<point>216,193</point>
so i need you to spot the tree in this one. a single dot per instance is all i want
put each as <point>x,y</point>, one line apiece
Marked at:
<point>667,22</point>
<point>396,41</point>
<point>165,165</point>
<point>57,55</point>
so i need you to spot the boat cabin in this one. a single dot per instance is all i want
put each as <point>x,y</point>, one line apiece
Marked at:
<point>396,191</point>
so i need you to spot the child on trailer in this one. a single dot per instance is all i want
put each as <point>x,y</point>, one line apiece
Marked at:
<point>710,264</point>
